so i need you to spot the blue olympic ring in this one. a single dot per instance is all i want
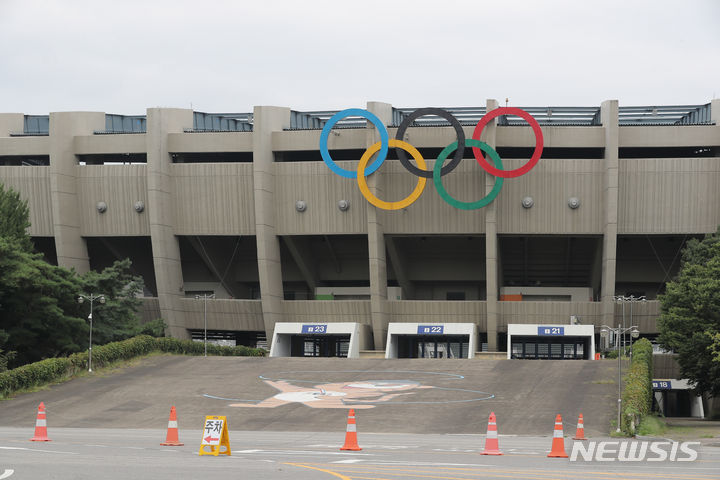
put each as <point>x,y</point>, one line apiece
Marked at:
<point>354,112</point>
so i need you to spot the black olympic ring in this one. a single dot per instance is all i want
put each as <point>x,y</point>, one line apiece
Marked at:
<point>421,112</point>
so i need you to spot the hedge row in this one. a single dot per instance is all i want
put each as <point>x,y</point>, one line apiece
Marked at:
<point>58,369</point>
<point>637,396</point>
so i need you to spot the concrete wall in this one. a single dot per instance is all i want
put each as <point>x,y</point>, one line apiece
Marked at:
<point>120,187</point>
<point>33,184</point>
<point>310,311</point>
<point>665,366</point>
<point>213,199</point>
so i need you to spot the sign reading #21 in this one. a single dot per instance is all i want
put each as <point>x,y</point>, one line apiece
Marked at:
<point>551,330</point>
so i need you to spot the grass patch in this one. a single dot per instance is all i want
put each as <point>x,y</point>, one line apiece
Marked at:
<point>692,433</point>
<point>104,371</point>
<point>652,426</point>
<point>59,369</point>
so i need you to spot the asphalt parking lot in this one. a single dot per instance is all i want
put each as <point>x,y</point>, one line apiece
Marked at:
<point>287,419</point>
<point>129,453</point>
<point>421,396</point>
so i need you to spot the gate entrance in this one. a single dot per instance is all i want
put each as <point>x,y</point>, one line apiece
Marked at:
<point>539,348</point>
<point>336,339</point>
<point>319,345</point>
<point>433,346</point>
<point>431,340</point>
<point>551,342</point>
<point>674,398</point>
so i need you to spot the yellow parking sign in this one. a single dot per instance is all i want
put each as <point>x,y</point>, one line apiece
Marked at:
<point>215,436</point>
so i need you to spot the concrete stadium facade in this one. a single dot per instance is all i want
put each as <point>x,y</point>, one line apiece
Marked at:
<point>241,206</point>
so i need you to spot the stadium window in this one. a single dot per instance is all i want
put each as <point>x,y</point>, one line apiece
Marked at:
<point>455,296</point>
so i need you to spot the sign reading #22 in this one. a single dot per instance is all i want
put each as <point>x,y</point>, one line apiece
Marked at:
<point>430,329</point>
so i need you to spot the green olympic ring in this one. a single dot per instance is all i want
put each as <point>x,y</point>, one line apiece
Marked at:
<point>437,178</point>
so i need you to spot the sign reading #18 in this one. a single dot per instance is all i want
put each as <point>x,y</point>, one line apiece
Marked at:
<point>662,385</point>
<point>551,330</point>
<point>314,329</point>
<point>430,329</point>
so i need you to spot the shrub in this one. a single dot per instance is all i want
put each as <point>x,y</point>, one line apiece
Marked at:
<point>637,395</point>
<point>38,373</point>
<point>57,369</point>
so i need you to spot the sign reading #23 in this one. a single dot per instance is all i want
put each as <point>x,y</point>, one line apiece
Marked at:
<point>314,329</point>
<point>439,170</point>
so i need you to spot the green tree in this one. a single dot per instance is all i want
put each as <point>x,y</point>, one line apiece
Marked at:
<point>14,218</point>
<point>117,318</point>
<point>38,317</point>
<point>689,323</point>
<point>5,358</point>
<point>716,346</point>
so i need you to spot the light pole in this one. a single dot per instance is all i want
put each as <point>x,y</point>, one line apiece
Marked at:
<point>205,297</point>
<point>633,299</point>
<point>634,333</point>
<point>91,298</point>
<point>623,299</point>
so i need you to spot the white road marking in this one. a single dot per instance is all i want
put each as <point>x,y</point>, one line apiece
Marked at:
<point>365,445</point>
<point>300,452</point>
<point>36,450</point>
<point>350,460</point>
<point>6,474</point>
<point>433,464</point>
<point>453,450</point>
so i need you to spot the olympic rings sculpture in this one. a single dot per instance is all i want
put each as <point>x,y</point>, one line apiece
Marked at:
<point>495,169</point>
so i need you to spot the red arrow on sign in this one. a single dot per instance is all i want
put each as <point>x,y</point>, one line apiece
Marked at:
<point>210,439</point>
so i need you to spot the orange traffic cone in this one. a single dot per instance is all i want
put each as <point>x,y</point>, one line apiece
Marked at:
<point>491,439</point>
<point>172,433</point>
<point>580,432</point>
<point>351,433</point>
<point>41,426</point>
<point>558,445</point>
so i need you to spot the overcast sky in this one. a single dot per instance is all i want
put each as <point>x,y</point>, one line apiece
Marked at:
<point>124,56</point>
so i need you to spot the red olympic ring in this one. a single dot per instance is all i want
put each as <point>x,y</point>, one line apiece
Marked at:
<point>538,142</point>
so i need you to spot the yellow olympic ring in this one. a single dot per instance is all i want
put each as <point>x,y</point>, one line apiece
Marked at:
<point>362,183</point>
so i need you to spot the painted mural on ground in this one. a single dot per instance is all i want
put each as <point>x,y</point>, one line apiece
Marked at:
<point>360,394</point>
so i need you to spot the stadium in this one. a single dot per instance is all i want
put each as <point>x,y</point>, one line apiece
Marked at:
<point>253,228</point>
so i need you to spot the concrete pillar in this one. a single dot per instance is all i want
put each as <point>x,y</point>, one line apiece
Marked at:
<point>491,242</point>
<point>376,235</point>
<point>265,121</point>
<point>11,122</point>
<point>609,119</point>
<point>161,214</point>
<point>715,111</point>
<point>70,245</point>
